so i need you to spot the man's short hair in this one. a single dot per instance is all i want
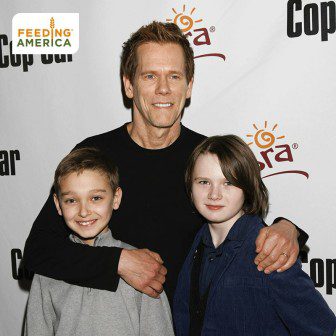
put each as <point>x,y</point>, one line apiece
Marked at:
<point>239,166</point>
<point>157,32</point>
<point>87,158</point>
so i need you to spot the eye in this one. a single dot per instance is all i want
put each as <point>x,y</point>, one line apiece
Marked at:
<point>69,201</point>
<point>204,182</point>
<point>175,76</point>
<point>96,198</point>
<point>227,183</point>
<point>149,76</point>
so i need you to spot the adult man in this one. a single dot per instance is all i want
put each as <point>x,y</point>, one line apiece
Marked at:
<point>151,153</point>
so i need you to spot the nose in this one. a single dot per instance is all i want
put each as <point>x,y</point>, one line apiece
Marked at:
<point>163,86</point>
<point>84,210</point>
<point>215,193</point>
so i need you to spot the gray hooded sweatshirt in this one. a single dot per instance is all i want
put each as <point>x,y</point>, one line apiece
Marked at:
<point>58,308</point>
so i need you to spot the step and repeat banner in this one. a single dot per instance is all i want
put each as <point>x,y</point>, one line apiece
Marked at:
<point>264,71</point>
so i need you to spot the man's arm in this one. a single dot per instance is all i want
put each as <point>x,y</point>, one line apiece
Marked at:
<point>278,246</point>
<point>302,235</point>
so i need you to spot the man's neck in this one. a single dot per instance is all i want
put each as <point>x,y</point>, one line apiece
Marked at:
<point>151,137</point>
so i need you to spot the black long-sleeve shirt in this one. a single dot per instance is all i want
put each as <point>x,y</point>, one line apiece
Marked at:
<point>155,213</point>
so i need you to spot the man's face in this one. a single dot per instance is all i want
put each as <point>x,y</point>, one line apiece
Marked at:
<point>160,86</point>
<point>86,202</point>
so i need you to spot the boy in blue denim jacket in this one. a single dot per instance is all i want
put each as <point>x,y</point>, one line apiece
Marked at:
<point>219,291</point>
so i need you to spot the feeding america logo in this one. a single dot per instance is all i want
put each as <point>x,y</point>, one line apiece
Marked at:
<point>45,33</point>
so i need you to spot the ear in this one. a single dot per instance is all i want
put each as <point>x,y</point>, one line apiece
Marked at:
<point>117,198</point>
<point>190,86</point>
<point>128,87</point>
<point>56,201</point>
<point>191,198</point>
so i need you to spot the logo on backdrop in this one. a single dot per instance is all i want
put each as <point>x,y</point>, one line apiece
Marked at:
<point>322,272</point>
<point>311,19</point>
<point>45,33</point>
<point>18,271</point>
<point>8,58</point>
<point>275,152</point>
<point>191,25</point>
<point>8,162</point>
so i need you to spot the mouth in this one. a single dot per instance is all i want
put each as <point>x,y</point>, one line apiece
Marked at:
<point>86,223</point>
<point>163,105</point>
<point>214,207</point>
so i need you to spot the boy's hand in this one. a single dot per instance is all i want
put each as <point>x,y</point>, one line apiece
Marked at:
<point>143,270</point>
<point>277,246</point>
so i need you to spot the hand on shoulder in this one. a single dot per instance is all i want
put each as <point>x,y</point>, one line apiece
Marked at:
<point>143,270</point>
<point>277,247</point>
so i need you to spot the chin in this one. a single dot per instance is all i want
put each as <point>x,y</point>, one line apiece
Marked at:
<point>86,235</point>
<point>217,219</point>
<point>165,124</point>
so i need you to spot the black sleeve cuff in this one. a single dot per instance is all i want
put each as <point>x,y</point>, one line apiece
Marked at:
<point>303,236</point>
<point>109,278</point>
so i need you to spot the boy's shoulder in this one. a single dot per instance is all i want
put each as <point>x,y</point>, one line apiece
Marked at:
<point>124,245</point>
<point>44,282</point>
<point>248,235</point>
<point>255,224</point>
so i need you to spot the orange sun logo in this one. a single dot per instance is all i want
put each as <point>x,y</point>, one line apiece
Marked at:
<point>264,138</point>
<point>185,22</point>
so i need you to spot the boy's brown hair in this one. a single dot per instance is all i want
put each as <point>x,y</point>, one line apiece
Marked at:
<point>87,158</point>
<point>240,168</point>
<point>157,32</point>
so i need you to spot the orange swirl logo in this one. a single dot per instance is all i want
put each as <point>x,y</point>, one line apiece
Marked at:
<point>264,138</point>
<point>184,21</point>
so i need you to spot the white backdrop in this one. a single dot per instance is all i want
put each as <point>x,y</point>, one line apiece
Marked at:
<point>268,82</point>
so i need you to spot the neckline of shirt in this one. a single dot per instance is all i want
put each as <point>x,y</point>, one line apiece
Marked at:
<point>169,148</point>
<point>100,239</point>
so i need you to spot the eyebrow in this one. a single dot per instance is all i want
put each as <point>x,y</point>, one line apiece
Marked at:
<point>208,178</point>
<point>93,190</point>
<point>156,71</point>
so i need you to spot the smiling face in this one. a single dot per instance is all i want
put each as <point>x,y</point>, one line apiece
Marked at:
<point>216,199</point>
<point>86,202</point>
<point>160,86</point>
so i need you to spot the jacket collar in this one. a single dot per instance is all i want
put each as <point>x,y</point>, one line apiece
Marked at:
<point>102,239</point>
<point>242,227</point>
<point>237,233</point>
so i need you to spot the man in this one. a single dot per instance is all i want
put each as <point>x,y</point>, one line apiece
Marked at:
<point>151,153</point>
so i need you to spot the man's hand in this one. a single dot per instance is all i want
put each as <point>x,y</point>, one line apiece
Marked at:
<point>143,270</point>
<point>277,246</point>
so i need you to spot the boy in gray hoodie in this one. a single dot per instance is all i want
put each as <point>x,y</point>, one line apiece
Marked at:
<point>86,193</point>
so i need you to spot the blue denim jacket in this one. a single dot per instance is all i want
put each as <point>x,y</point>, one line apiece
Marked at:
<point>244,301</point>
